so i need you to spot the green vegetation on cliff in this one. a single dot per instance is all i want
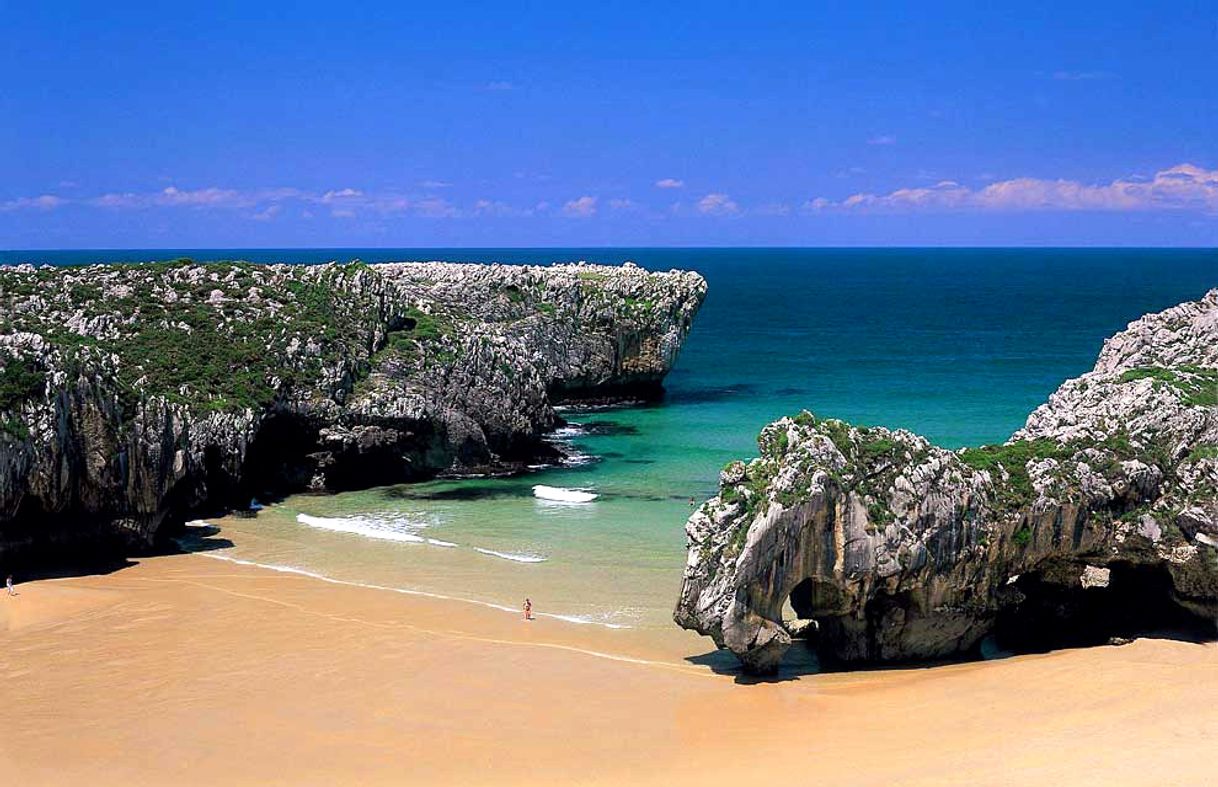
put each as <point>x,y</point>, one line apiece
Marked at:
<point>1197,385</point>
<point>225,336</point>
<point>20,381</point>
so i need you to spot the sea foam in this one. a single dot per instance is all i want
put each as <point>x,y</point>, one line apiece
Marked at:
<point>401,530</point>
<point>517,557</point>
<point>383,529</point>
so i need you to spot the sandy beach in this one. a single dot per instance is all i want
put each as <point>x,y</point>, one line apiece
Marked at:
<point>189,670</point>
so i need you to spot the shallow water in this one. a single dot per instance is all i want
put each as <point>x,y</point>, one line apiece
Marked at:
<point>957,344</point>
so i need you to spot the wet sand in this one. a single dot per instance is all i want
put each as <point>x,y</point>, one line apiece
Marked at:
<point>188,670</point>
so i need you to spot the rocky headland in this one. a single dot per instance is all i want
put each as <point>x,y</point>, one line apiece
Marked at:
<point>135,395</point>
<point>1097,519</point>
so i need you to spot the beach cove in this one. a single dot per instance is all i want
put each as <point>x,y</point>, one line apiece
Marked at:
<point>959,345</point>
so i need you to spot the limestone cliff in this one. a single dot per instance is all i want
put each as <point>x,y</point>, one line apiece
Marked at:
<point>135,394</point>
<point>1102,511</point>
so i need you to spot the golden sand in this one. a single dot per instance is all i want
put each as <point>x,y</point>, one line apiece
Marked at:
<point>187,670</point>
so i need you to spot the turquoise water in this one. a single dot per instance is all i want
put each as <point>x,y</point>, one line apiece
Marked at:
<point>957,344</point>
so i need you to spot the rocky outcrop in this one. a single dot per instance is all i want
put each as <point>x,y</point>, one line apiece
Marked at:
<point>1099,515</point>
<point>132,395</point>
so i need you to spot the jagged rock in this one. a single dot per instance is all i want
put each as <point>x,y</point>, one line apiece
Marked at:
<point>1095,577</point>
<point>800,628</point>
<point>902,550</point>
<point>133,394</point>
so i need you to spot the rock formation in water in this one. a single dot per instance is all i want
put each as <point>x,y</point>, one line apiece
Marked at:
<point>135,394</point>
<point>1100,514</point>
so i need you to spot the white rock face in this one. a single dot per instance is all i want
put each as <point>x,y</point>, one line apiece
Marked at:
<point>1095,577</point>
<point>901,550</point>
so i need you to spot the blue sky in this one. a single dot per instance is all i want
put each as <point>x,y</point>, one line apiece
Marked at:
<point>399,124</point>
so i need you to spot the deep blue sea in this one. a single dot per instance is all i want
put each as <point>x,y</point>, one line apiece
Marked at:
<point>957,344</point>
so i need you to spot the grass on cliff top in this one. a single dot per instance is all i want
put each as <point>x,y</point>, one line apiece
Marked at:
<point>873,455</point>
<point>1013,458</point>
<point>199,365</point>
<point>202,357</point>
<point>1203,451</point>
<point>410,341</point>
<point>1197,385</point>
<point>1008,456</point>
<point>189,350</point>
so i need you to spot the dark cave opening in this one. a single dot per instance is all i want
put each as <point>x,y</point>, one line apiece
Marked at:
<point>278,460</point>
<point>381,461</point>
<point>1138,600</point>
<point>813,604</point>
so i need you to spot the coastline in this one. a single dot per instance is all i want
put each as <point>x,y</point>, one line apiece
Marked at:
<point>191,670</point>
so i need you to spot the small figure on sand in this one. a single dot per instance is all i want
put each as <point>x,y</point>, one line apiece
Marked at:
<point>8,583</point>
<point>692,503</point>
<point>528,609</point>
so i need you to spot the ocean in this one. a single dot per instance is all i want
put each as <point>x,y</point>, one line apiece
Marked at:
<point>956,344</point>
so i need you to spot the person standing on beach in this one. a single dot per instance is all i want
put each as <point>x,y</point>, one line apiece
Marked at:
<point>8,583</point>
<point>528,609</point>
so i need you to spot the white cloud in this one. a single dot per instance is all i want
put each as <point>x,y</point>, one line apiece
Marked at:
<point>268,214</point>
<point>717,204</point>
<point>124,200</point>
<point>435,184</point>
<point>341,195</point>
<point>41,202</point>
<point>582,207</point>
<point>343,203</point>
<point>208,197</point>
<point>498,209</point>
<point>623,204</point>
<point>435,208</point>
<point>1182,187</point>
<point>882,139</point>
<point>211,197</point>
<point>670,183</point>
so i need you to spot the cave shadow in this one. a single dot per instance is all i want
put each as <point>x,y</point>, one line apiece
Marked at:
<point>192,539</point>
<point>105,558</point>
<point>802,660</point>
<point>576,407</point>
<point>705,394</point>
<point>469,489</point>
<point>75,565</point>
<point>607,428</point>
<point>798,662</point>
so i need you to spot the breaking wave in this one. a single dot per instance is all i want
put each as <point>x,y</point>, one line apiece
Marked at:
<point>384,529</point>
<point>518,557</point>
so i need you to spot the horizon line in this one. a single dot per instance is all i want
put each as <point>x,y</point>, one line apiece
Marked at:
<point>776,247</point>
